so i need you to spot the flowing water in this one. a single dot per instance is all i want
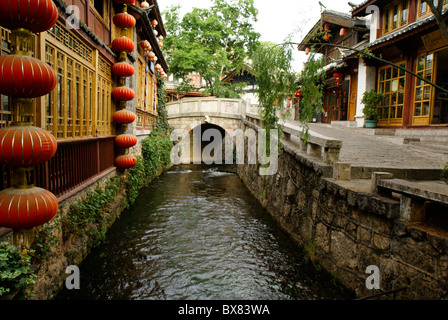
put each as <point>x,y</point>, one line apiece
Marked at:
<point>197,233</point>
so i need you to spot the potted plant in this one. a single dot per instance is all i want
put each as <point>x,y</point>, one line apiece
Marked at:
<point>371,99</point>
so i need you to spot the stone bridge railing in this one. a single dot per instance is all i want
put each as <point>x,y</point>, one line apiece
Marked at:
<point>212,107</point>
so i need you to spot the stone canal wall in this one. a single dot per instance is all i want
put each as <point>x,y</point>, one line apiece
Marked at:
<point>345,227</point>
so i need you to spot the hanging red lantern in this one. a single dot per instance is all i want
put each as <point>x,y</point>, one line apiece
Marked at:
<point>307,51</point>
<point>34,15</point>
<point>126,161</point>
<point>327,36</point>
<point>298,95</point>
<point>26,146</point>
<point>145,45</point>
<point>124,20</point>
<point>160,44</point>
<point>151,55</point>
<point>144,5</point>
<point>160,38</point>
<point>123,69</point>
<point>288,105</point>
<point>155,32</point>
<point>123,44</point>
<point>154,23</point>
<point>26,208</point>
<point>125,141</point>
<point>25,77</point>
<point>123,94</point>
<point>342,32</point>
<point>124,117</point>
<point>327,27</point>
<point>338,77</point>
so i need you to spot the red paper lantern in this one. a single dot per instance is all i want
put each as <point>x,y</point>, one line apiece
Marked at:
<point>338,77</point>
<point>151,55</point>
<point>26,146</point>
<point>160,38</point>
<point>307,51</point>
<point>145,45</point>
<point>327,27</point>
<point>123,44</point>
<point>144,5</point>
<point>123,69</point>
<point>327,36</point>
<point>34,15</point>
<point>25,77</point>
<point>160,44</point>
<point>26,208</point>
<point>154,23</point>
<point>342,32</point>
<point>126,161</point>
<point>123,94</point>
<point>124,20</point>
<point>125,141</point>
<point>124,117</point>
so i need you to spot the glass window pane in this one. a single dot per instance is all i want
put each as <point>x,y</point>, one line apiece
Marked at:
<point>394,85</point>
<point>388,73</point>
<point>429,60</point>
<point>401,98</point>
<point>393,99</point>
<point>387,86</point>
<point>382,75</point>
<point>382,87</point>
<point>400,112</point>
<point>427,93</point>
<point>421,64</point>
<point>419,94</point>
<point>418,109</point>
<point>392,112</point>
<point>404,13</point>
<point>425,110</point>
<point>395,73</point>
<point>401,84</point>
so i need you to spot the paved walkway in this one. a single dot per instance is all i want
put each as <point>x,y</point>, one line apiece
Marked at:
<point>372,151</point>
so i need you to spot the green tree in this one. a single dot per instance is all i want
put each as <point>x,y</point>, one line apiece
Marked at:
<point>272,65</point>
<point>211,42</point>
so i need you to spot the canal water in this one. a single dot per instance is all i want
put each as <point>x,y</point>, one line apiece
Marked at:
<point>197,233</point>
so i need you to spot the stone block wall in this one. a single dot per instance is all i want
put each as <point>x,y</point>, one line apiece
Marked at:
<point>345,228</point>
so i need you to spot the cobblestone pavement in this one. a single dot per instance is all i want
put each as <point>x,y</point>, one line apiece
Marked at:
<point>372,151</point>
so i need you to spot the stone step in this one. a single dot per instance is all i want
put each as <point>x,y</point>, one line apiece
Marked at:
<point>422,132</point>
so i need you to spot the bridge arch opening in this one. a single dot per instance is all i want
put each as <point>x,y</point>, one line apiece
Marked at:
<point>210,144</point>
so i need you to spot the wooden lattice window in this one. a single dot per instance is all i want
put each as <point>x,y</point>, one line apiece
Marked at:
<point>391,82</point>
<point>71,42</point>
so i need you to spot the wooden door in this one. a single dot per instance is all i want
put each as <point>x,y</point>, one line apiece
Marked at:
<point>353,97</point>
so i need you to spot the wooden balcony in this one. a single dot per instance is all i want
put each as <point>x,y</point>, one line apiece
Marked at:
<point>76,164</point>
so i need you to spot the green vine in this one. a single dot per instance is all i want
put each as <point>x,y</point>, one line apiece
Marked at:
<point>86,216</point>
<point>15,272</point>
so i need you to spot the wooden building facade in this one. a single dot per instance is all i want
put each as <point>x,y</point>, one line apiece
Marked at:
<point>79,111</point>
<point>408,35</point>
<point>341,86</point>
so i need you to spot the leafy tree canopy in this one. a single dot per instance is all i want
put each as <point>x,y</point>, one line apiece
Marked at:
<point>211,42</point>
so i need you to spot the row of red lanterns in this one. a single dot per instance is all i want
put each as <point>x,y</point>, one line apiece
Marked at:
<point>122,46</point>
<point>23,146</point>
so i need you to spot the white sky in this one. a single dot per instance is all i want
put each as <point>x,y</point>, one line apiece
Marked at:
<point>277,18</point>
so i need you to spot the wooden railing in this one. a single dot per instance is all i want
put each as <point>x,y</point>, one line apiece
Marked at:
<point>75,164</point>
